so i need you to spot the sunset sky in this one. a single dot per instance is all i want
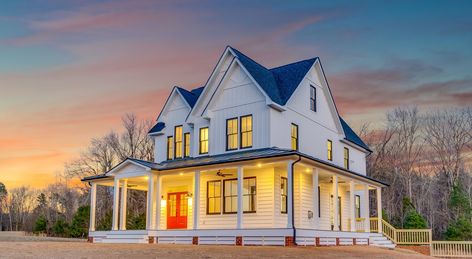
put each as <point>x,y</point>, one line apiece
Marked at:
<point>70,69</point>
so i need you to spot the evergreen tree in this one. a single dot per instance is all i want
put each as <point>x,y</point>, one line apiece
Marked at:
<point>461,227</point>
<point>412,219</point>
<point>40,224</point>
<point>79,226</point>
<point>60,228</point>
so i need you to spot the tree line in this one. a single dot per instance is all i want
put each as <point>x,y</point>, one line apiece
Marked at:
<point>425,157</point>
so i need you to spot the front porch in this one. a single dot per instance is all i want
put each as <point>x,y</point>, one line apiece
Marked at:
<point>266,201</point>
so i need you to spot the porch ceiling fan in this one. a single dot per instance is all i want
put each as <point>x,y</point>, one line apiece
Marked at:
<point>219,173</point>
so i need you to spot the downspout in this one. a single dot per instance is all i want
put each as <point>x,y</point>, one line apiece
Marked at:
<point>293,200</point>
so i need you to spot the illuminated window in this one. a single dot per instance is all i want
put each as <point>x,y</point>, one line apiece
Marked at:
<point>330,150</point>
<point>204,141</point>
<point>214,197</point>
<point>283,195</point>
<point>232,134</point>
<point>178,141</point>
<point>170,147</point>
<point>187,144</point>
<point>358,206</point>
<point>230,195</point>
<point>294,134</point>
<point>312,98</point>
<point>246,131</point>
<point>346,158</point>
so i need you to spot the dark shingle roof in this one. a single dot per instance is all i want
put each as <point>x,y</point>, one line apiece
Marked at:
<point>352,136</point>
<point>191,97</point>
<point>157,128</point>
<point>279,83</point>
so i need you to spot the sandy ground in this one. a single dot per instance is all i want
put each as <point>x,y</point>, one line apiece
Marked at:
<point>48,249</point>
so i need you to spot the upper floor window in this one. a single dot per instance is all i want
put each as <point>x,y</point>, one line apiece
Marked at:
<point>232,134</point>
<point>346,158</point>
<point>330,150</point>
<point>358,206</point>
<point>178,141</point>
<point>214,197</point>
<point>204,140</point>
<point>312,98</point>
<point>170,147</point>
<point>187,144</point>
<point>294,136</point>
<point>283,194</point>
<point>246,131</point>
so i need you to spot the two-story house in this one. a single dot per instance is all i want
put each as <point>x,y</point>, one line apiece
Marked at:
<point>256,156</point>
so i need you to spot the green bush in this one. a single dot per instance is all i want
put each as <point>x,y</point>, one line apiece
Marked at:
<point>137,222</point>
<point>459,230</point>
<point>412,219</point>
<point>105,222</point>
<point>80,222</point>
<point>40,224</point>
<point>60,228</point>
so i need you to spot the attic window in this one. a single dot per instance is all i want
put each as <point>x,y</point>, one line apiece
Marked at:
<point>312,98</point>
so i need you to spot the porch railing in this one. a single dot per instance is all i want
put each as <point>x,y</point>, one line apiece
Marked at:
<point>402,236</point>
<point>359,224</point>
<point>451,248</point>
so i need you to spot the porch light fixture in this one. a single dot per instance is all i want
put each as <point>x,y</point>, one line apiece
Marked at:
<point>181,174</point>
<point>307,170</point>
<point>259,165</point>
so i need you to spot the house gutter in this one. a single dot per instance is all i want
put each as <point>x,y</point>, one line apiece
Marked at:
<point>293,200</point>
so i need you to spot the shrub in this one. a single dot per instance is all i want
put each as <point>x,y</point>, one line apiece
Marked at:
<point>79,226</point>
<point>61,228</point>
<point>40,224</point>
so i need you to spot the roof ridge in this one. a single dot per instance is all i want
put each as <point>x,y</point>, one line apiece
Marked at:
<point>293,63</point>
<point>246,56</point>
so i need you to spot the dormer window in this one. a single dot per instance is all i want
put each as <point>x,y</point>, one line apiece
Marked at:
<point>170,148</point>
<point>178,141</point>
<point>203,141</point>
<point>312,98</point>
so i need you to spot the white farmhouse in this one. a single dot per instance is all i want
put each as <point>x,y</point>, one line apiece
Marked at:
<point>256,156</point>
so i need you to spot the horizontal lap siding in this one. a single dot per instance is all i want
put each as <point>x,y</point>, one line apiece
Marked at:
<point>280,219</point>
<point>305,200</point>
<point>325,192</point>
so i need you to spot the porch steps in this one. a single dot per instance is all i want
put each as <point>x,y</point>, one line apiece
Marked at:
<point>379,240</point>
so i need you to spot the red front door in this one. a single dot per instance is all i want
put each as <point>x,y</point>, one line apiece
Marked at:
<point>177,210</point>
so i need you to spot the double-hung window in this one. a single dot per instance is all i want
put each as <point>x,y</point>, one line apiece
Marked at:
<point>283,194</point>
<point>203,148</point>
<point>312,98</point>
<point>294,136</point>
<point>170,147</point>
<point>230,195</point>
<point>246,131</point>
<point>346,158</point>
<point>232,134</point>
<point>187,144</point>
<point>214,197</point>
<point>330,150</point>
<point>178,142</point>
<point>358,206</point>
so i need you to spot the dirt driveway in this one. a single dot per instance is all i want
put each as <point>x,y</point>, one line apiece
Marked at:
<point>42,249</point>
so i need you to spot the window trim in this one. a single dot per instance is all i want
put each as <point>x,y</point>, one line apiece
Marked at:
<point>208,198</point>
<point>291,137</point>
<point>358,210</point>
<point>185,144</point>
<point>200,141</point>
<point>319,201</point>
<point>170,155</point>
<point>241,131</point>
<point>224,197</point>
<point>237,133</point>
<point>286,195</point>
<point>313,98</point>
<point>346,158</point>
<point>330,149</point>
<point>181,142</point>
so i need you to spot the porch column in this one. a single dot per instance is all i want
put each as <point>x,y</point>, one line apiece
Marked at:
<point>240,197</point>
<point>124,199</point>
<point>93,205</point>
<point>158,202</point>
<point>365,208</point>
<point>335,203</point>
<point>316,197</point>
<point>352,206</point>
<point>289,195</point>
<point>116,200</point>
<point>196,199</point>
<point>379,208</point>
<point>150,203</point>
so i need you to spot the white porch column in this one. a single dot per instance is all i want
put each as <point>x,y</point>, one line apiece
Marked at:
<point>379,208</point>
<point>335,203</point>
<point>240,197</point>
<point>365,208</point>
<point>289,195</point>
<point>116,200</point>
<point>352,206</point>
<point>124,199</point>
<point>158,183</point>
<point>93,205</point>
<point>196,199</point>
<point>316,194</point>
<point>150,203</point>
